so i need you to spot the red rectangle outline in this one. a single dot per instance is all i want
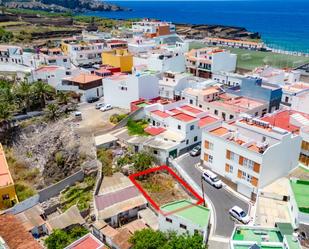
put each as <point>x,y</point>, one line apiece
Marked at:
<point>132,177</point>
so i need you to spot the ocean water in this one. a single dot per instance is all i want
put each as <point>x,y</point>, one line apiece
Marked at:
<point>283,24</point>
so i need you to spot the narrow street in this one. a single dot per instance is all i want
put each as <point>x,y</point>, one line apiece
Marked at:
<point>221,199</point>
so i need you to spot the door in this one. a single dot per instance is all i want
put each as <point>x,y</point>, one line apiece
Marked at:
<point>173,153</point>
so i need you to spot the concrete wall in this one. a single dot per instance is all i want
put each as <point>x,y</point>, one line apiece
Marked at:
<point>55,189</point>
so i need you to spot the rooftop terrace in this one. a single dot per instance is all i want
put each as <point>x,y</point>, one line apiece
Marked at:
<point>300,189</point>
<point>258,235</point>
<point>197,214</point>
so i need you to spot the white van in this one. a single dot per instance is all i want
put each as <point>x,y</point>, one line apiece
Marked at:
<point>212,179</point>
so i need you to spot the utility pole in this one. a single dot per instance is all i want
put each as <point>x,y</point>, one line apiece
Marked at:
<point>203,191</point>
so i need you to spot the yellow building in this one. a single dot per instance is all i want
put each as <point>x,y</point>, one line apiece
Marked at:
<point>8,195</point>
<point>118,58</point>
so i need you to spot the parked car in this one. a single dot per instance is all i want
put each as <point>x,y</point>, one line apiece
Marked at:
<point>99,105</point>
<point>196,151</point>
<point>239,214</point>
<point>106,107</point>
<point>78,116</point>
<point>92,99</point>
<point>212,179</point>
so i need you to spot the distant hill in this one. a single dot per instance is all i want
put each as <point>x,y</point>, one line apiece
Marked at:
<point>62,5</point>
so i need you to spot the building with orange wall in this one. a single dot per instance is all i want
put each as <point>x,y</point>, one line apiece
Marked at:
<point>8,195</point>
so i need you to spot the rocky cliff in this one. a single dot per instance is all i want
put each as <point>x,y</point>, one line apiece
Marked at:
<point>62,5</point>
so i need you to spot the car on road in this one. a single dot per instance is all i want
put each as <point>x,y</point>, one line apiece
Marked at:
<point>92,99</point>
<point>212,179</point>
<point>196,151</point>
<point>78,116</point>
<point>239,214</point>
<point>99,105</point>
<point>106,107</point>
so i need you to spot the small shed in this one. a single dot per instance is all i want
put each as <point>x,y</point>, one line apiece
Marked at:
<point>105,141</point>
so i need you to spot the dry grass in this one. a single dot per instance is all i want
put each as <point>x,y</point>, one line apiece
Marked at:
<point>163,188</point>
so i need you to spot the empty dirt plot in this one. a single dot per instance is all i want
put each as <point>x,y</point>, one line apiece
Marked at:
<point>163,188</point>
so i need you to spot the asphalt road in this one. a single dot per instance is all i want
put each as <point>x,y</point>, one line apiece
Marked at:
<point>221,199</point>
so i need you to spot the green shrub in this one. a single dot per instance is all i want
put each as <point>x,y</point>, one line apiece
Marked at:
<point>106,158</point>
<point>59,239</point>
<point>137,127</point>
<point>23,191</point>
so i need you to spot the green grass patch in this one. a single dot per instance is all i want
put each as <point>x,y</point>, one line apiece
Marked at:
<point>249,60</point>
<point>24,191</point>
<point>79,194</point>
<point>137,127</point>
<point>106,158</point>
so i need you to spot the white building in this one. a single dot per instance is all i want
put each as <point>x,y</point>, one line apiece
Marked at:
<point>299,201</point>
<point>184,217</point>
<point>53,75</point>
<point>228,79</point>
<point>86,85</point>
<point>83,53</point>
<point>161,60</point>
<point>291,92</point>
<point>152,28</point>
<point>223,105</point>
<point>176,128</point>
<point>301,102</point>
<point>250,153</point>
<point>172,84</point>
<point>276,75</point>
<point>206,61</point>
<point>122,89</point>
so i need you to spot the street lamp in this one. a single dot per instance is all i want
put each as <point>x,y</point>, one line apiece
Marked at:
<point>203,191</point>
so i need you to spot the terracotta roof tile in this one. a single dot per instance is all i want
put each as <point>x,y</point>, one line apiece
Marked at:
<point>15,234</point>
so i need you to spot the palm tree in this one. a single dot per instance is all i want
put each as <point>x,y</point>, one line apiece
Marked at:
<point>63,98</point>
<point>52,112</point>
<point>5,115</point>
<point>42,90</point>
<point>23,93</point>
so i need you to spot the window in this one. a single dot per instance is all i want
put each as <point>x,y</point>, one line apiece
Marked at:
<point>286,99</point>
<point>231,116</point>
<point>211,146</point>
<point>155,152</point>
<point>210,158</point>
<point>169,220</point>
<point>191,101</point>
<point>216,112</point>
<point>232,156</point>
<point>65,60</point>
<point>229,168</point>
<point>182,226</point>
<point>192,127</point>
<point>187,142</point>
<point>195,138</point>
<point>200,106</point>
<point>5,197</point>
<point>248,163</point>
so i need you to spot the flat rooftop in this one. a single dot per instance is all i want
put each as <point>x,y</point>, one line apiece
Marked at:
<point>184,117</point>
<point>206,121</point>
<point>300,189</point>
<point>257,235</point>
<point>191,109</point>
<point>283,120</point>
<point>185,209</point>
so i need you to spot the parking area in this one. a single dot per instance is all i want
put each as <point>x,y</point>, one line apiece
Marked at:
<point>95,121</point>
